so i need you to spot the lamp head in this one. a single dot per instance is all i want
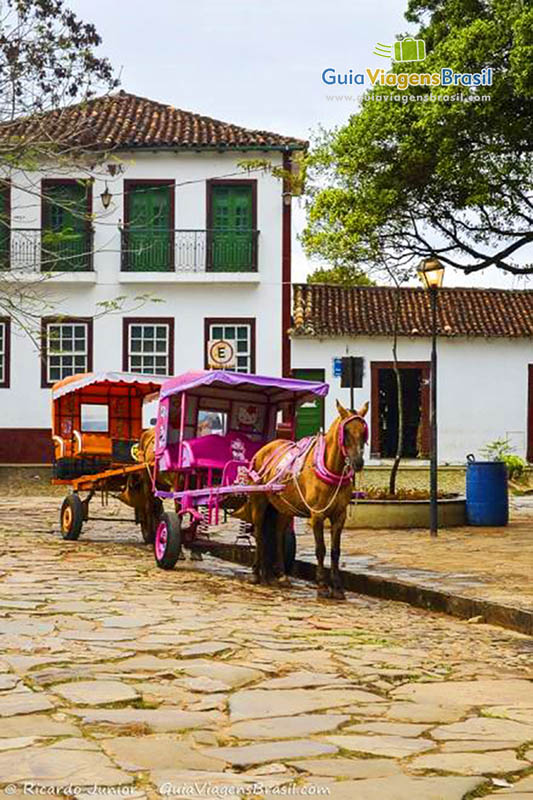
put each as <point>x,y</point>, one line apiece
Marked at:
<point>431,273</point>
<point>106,197</point>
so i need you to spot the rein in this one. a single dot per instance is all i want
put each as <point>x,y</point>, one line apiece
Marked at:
<point>322,472</point>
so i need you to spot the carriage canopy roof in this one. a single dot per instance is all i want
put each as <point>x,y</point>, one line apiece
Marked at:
<point>146,384</point>
<point>277,390</point>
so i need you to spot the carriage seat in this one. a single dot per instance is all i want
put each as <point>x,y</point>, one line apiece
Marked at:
<point>92,444</point>
<point>214,451</point>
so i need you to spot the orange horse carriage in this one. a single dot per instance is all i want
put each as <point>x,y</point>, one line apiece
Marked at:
<point>97,421</point>
<point>215,447</point>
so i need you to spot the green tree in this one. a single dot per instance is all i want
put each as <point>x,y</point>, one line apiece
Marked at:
<point>341,275</point>
<point>48,60</point>
<point>417,177</point>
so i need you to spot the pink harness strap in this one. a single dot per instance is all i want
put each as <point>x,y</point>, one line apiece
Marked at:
<point>321,470</point>
<point>325,474</point>
<point>289,458</point>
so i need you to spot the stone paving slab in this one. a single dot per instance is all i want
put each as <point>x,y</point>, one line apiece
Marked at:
<point>391,746</point>
<point>95,693</point>
<point>42,764</point>
<point>263,753</point>
<point>404,788</point>
<point>471,763</point>
<point>116,673</point>
<point>287,728</point>
<point>493,563</point>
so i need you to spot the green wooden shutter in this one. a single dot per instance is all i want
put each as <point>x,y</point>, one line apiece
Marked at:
<point>310,415</point>
<point>65,244</point>
<point>150,228</point>
<point>231,237</point>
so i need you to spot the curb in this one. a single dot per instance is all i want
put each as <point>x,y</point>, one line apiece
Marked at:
<point>456,605</point>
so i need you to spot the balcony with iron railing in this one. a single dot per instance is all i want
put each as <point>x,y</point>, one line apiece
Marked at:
<point>189,251</point>
<point>30,250</point>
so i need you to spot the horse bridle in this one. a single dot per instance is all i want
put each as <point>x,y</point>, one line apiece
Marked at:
<point>342,426</point>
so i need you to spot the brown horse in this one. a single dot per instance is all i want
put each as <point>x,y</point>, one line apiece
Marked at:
<point>318,484</point>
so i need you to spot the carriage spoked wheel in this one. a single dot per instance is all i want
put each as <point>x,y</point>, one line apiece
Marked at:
<point>71,517</point>
<point>167,546</point>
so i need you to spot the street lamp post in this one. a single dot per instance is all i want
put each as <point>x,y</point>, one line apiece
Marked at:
<point>431,273</point>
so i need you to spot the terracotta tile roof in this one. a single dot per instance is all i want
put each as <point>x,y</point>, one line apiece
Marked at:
<point>328,311</point>
<point>126,121</point>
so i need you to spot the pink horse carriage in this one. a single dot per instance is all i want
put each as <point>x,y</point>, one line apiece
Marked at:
<point>209,426</point>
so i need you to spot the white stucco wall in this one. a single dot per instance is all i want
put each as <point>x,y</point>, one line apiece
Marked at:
<point>188,297</point>
<point>481,391</point>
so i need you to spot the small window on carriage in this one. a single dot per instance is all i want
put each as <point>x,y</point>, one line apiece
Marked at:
<point>149,413</point>
<point>94,417</point>
<point>210,422</point>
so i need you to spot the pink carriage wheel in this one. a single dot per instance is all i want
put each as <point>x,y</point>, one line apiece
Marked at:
<point>167,546</point>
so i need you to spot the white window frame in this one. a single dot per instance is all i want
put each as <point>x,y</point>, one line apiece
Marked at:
<point>156,369</point>
<point>80,358</point>
<point>242,354</point>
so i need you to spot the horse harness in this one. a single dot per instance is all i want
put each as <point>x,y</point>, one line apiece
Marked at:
<point>289,459</point>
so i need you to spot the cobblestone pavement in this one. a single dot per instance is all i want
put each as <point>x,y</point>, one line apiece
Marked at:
<point>192,683</point>
<point>488,563</point>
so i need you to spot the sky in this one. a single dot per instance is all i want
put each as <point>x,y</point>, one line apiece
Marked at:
<point>254,63</point>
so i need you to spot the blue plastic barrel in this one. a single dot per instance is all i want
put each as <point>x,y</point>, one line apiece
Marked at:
<point>487,493</point>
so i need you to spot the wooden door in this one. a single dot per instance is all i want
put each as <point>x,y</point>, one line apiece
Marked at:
<point>310,415</point>
<point>149,228</point>
<point>65,244</point>
<point>231,237</point>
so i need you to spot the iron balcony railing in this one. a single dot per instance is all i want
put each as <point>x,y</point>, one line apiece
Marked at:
<point>39,250</point>
<point>214,250</point>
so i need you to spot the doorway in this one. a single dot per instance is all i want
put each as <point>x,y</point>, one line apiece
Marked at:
<point>310,415</point>
<point>385,418</point>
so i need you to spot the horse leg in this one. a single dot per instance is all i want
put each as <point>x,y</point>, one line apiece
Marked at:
<point>282,523</point>
<point>258,511</point>
<point>337,525</point>
<point>323,589</point>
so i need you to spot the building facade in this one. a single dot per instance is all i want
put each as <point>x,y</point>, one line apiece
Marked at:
<point>136,263</point>
<point>485,365</point>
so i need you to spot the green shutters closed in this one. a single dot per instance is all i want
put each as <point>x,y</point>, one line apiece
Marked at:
<point>231,239</point>
<point>310,415</point>
<point>150,228</point>
<point>65,239</point>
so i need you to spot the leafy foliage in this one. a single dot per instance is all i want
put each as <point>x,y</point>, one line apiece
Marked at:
<point>47,57</point>
<point>501,450</point>
<point>406,180</point>
<point>342,275</point>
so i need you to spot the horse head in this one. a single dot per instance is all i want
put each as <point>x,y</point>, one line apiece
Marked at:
<point>353,435</point>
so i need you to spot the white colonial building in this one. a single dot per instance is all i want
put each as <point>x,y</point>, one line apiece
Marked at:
<point>171,234</point>
<point>194,245</point>
<point>485,364</point>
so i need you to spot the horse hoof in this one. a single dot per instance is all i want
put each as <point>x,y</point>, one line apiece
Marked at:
<point>196,555</point>
<point>338,594</point>
<point>323,592</point>
<point>254,579</point>
<point>283,581</point>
